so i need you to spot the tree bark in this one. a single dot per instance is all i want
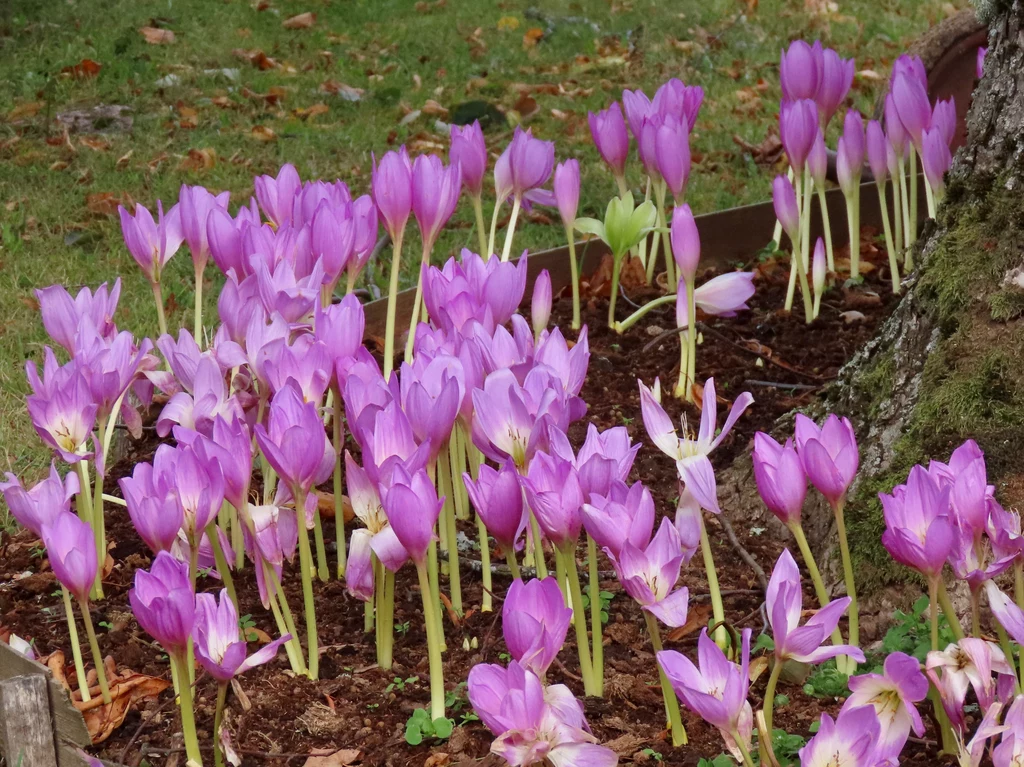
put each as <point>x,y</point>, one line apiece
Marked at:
<point>949,364</point>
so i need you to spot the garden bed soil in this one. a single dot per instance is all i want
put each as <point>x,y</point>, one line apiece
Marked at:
<point>356,705</point>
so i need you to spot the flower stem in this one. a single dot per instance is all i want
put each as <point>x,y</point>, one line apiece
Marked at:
<point>951,617</point>
<point>494,227</point>
<point>277,597</point>
<point>912,219</point>
<point>161,318</point>
<point>338,438</point>
<point>777,231</point>
<point>744,753</point>
<point>574,269</point>
<point>851,586</point>
<point>369,605</point>
<point>506,251</point>
<point>386,619</point>
<point>417,303</point>
<point>510,559</point>
<point>188,719</point>
<point>897,211</point>
<point>717,608</point>
<point>485,564</point>
<point>76,647</point>
<point>435,590</point>
<point>626,324</point>
<point>97,521</point>
<point>456,463</point>
<point>933,610</point>
<point>308,571</point>
<point>323,569</point>
<point>590,686</point>
<point>448,512</point>
<point>675,720</point>
<point>889,245</point>
<point>1018,582</point>
<point>768,706</point>
<point>805,248</point>
<point>819,587</point>
<point>433,644</point>
<point>688,349</point>
<point>538,548</point>
<point>218,722</point>
<point>616,266</point>
<point>1004,643</point>
<point>794,259</point>
<point>198,332</point>
<point>294,659</point>
<point>827,228</point>
<point>389,327</point>
<point>94,647</point>
<point>596,628</point>
<point>481,232</point>
<point>222,562</point>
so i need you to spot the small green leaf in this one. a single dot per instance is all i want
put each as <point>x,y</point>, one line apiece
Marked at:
<point>590,226</point>
<point>443,728</point>
<point>413,736</point>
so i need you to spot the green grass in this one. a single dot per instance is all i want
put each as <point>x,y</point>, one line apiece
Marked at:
<point>400,53</point>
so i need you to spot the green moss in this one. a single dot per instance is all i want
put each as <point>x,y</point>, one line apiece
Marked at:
<point>879,378</point>
<point>1006,304</point>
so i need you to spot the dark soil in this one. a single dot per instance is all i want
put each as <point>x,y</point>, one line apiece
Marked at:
<point>782,361</point>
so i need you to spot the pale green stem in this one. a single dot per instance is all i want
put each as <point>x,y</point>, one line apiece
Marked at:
<point>671,279</point>
<point>386,619</point>
<point>1004,643</point>
<point>448,510</point>
<point>842,662</point>
<point>76,647</point>
<point>323,569</point>
<point>417,303</point>
<point>485,565</point>
<point>574,268</point>
<point>590,686</point>
<point>308,572</point>
<point>538,547</point>
<point>908,227</point>
<point>277,591</point>
<point>620,182</point>
<point>596,628</point>
<point>851,586</point>
<point>616,266</point>
<point>769,706</point>
<point>929,195</point>
<point>510,560</point>
<point>298,665</point>
<point>368,605</point>
<point>744,753</point>
<point>94,646</point>
<point>114,500</point>
<point>805,249</point>
<point>912,220</point>
<point>494,228</point>
<point>649,264</point>
<point>691,339</point>
<point>1018,582</point>
<point>933,610</point>
<point>188,719</point>
<point>794,260</point>
<point>951,617</point>
<point>631,320</point>
<point>350,281</point>
<point>198,333</point>
<point>675,720</point>
<point>897,211</point>
<point>98,521</point>
<point>435,590</point>
<point>506,251</point>
<point>562,583</point>
<point>218,721</point>
<point>889,245</point>
<point>222,562</point>
<point>717,608</point>
<point>481,231</point>
<point>851,225</point>
<point>433,645</point>
<point>158,297</point>
<point>456,462</point>
<point>237,538</point>
<point>338,438</point>
<point>826,226</point>
<point>389,327</point>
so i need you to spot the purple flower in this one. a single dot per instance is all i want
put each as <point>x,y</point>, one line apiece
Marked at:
<point>498,500</point>
<point>152,500</point>
<point>910,100</point>
<point>608,129</point>
<point>971,662</point>
<point>853,133</point>
<point>71,549</point>
<point>294,442</point>
<point>553,492</point>
<point>637,107</point>
<point>412,506</point>
<point>836,77</point>
<point>533,724</point>
<point>366,223</point>
<point>47,500</point>
<point>469,153</point>
<point>359,580</point>
<point>689,453</point>
<point>540,306</point>
<point>781,481</point>
<point>878,151</point>
<point>208,400</point>
<point>798,126</point>
<point>435,193</point>
<point>624,515</point>
<point>800,70</point>
<point>672,154</point>
<point>274,537</point>
<point>306,363</point>
<point>944,118</point>
<point>276,196</point>
<point>224,237</point>
<point>164,603</point>
<point>829,454</point>
<point>784,603</point>
<point>216,642</point>
<point>331,239</point>
<point>894,129</point>
<point>510,420</point>
<point>431,393</point>
<point>784,200</point>
<point>62,314</point>
<point>680,101</point>
<point>649,574</point>
<point>1010,751</point>
<point>195,204</point>
<point>340,328</point>
<point>1006,611</point>
<point>110,366</point>
<point>604,458</point>
<point>152,243</point>
<point>530,161</point>
<point>685,242</point>
<point>919,532</point>
<point>817,162</point>
<point>392,190</point>
<point>935,158</point>
<point>567,191</point>
<point>892,694</point>
<point>391,444</point>
<point>535,621</point>
<point>847,171</point>
<point>488,292</point>
<point>283,291</point>
<point>200,488</point>
<point>61,407</point>
<point>716,689</point>
<point>852,737</point>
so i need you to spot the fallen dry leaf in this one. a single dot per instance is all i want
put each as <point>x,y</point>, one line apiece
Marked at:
<point>95,143</point>
<point>432,108</point>
<point>100,719</point>
<point>157,36</point>
<point>324,757</point>
<point>347,92</point>
<point>122,161</point>
<point>28,109</point>
<point>199,159</point>
<point>263,133</point>
<point>257,58</point>
<point>301,21</point>
<point>325,503</point>
<point>83,69</point>
<point>532,37</point>
<point>696,619</point>
<point>526,106</point>
<point>308,113</point>
<point>103,203</point>
<point>768,152</point>
<point>508,24</point>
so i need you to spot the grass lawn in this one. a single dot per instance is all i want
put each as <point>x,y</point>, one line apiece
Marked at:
<point>238,92</point>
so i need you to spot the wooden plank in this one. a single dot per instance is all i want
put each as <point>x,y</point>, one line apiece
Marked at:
<point>27,732</point>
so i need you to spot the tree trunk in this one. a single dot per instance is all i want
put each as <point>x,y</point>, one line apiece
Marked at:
<point>949,364</point>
